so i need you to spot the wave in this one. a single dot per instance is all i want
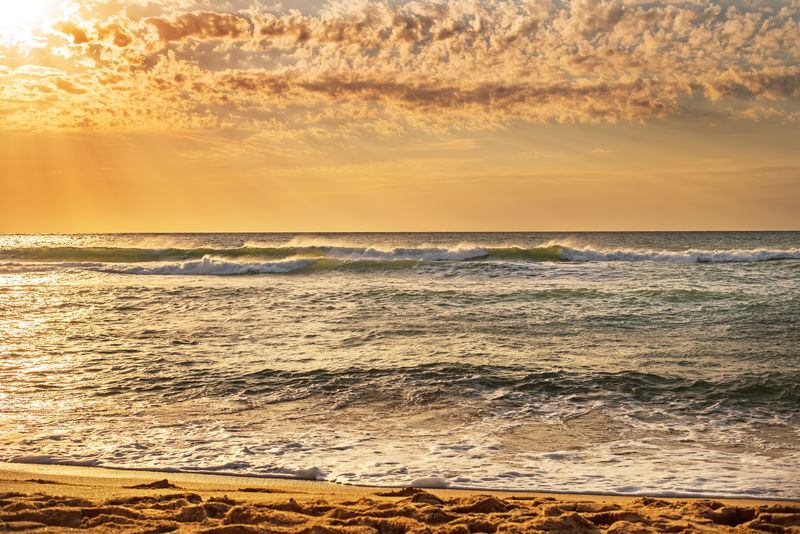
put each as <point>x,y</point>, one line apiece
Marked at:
<point>289,259</point>
<point>213,266</point>
<point>536,391</point>
<point>686,256</point>
<point>545,253</point>
<point>136,255</point>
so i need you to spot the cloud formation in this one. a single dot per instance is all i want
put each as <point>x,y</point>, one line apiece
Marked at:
<point>202,25</point>
<point>420,64</point>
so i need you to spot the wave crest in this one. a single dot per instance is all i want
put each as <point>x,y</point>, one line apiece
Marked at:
<point>686,256</point>
<point>316,258</point>
<point>214,266</point>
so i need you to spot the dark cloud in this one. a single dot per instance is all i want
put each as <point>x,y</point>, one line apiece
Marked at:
<point>636,100</point>
<point>117,34</point>
<point>69,87</point>
<point>774,85</point>
<point>70,28</point>
<point>202,25</point>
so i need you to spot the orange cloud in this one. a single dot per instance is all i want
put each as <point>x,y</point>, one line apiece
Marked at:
<point>202,25</point>
<point>459,64</point>
<point>70,28</point>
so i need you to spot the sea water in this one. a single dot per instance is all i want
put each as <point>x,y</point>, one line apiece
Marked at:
<point>658,363</point>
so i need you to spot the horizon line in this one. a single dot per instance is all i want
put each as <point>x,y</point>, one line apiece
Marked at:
<point>184,232</point>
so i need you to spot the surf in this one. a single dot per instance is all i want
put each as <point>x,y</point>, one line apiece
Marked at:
<point>546,253</point>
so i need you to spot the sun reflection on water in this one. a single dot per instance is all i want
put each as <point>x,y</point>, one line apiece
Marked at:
<point>38,364</point>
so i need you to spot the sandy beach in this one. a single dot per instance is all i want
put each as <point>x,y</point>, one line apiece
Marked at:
<point>47,498</point>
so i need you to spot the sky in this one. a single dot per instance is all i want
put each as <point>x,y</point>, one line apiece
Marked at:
<point>367,115</point>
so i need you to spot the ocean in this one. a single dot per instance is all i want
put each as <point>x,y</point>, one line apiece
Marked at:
<point>621,363</point>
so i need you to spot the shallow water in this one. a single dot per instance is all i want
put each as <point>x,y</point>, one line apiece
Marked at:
<point>621,362</point>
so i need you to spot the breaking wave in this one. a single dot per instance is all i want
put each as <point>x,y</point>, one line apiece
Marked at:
<point>249,260</point>
<point>687,256</point>
<point>213,266</point>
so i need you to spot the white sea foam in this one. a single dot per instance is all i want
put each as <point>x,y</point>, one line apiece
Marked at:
<point>687,256</point>
<point>393,254</point>
<point>624,466</point>
<point>510,371</point>
<point>213,266</point>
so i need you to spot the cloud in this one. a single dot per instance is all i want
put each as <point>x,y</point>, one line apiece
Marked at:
<point>421,64</point>
<point>119,37</point>
<point>202,25</point>
<point>589,101</point>
<point>69,87</point>
<point>70,28</point>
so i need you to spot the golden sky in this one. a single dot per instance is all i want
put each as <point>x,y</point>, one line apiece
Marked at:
<point>246,115</point>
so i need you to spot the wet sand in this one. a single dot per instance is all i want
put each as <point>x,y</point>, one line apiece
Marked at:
<point>44,498</point>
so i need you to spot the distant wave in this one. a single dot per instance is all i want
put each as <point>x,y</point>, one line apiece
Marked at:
<point>290,259</point>
<point>213,266</point>
<point>135,255</point>
<point>687,256</point>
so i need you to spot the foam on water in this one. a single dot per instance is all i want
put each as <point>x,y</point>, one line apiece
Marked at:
<point>462,259</point>
<point>686,256</point>
<point>400,254</point>
<point>465,454</point>
<point>337,248</point>
<point>613,363</point>
<point>213,266</point>
<point>465,426</point>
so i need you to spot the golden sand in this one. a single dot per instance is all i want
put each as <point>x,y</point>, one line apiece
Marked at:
<point>41,498</point>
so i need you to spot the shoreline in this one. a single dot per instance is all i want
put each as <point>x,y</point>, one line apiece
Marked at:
<point>217,476</point>
<point>56,498</point>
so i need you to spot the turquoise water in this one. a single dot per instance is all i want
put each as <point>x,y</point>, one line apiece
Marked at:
<point>660,363</point>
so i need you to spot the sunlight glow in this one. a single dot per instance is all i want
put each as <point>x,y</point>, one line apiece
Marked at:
<point>15,15</point>
<point>18,19</point>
